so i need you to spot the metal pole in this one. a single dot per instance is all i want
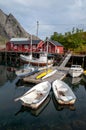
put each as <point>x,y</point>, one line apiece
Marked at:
<point>31,45</point>
<point>37,27</point>
<point>47,53</point>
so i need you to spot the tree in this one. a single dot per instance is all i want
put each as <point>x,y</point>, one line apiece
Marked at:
<point>71,40</point>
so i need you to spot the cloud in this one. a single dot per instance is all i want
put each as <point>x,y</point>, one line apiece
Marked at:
<point>53,15</point>
<point>78,3</point>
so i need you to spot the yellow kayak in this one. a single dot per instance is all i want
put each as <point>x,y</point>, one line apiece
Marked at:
<point>43,74</point>
<point>84,72</point>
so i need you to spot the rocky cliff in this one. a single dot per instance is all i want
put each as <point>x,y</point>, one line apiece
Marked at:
<point>10,27</point>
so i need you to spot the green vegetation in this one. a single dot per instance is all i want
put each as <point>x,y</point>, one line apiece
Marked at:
<point>3,40</point>
<point>74,40</point>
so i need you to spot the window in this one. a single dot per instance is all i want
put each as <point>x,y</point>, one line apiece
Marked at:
<point>26,46</point>
<point>15,46</point>
<point>34,46</point>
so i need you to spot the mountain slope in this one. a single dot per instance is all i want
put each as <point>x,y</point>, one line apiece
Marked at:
<point>10,27</point>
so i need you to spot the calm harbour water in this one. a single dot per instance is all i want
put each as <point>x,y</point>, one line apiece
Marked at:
<point>50,116</point>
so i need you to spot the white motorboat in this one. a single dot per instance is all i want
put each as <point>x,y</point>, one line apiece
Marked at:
<point>26,71</point>
<point>76,70</point>
<point>36,96</point>
<point>63,93</point>
<point>75,80</point>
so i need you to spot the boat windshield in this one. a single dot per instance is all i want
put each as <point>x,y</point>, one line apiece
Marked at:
<point>76,66</point>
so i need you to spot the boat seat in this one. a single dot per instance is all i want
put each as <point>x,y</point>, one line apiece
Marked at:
<point>28,100</point>
<point>42,92</point>
<point>63,89</point>
<point>38,98</point>
<point>66,98</point>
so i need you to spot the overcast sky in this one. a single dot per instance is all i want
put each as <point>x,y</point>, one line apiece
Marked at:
<point>53,15</point>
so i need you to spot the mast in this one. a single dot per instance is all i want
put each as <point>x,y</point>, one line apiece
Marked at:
<point>47,52</point>
<point>31,47</point>
<point>37,28</point>
<point>31,44</point>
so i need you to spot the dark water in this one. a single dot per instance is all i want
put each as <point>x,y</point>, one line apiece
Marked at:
<point>50,116</point>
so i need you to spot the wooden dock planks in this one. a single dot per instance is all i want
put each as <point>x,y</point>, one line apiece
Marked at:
<point>60,74</point>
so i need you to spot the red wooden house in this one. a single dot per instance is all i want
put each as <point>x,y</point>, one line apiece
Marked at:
<point>53,47</point>
<point>25,45</point>
<point>22,45</point>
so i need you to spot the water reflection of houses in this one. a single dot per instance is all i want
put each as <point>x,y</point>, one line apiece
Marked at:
<point>3,77</point>
<point>6,75</point>
<point>10,72</point>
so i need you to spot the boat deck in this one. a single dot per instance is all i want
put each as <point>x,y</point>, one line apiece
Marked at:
<point>60,74</point>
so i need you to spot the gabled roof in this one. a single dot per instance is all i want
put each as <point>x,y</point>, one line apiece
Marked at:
<point>18,39</point>
<point>23,41</point>
<point>35,41</point>
<point>55,43</point>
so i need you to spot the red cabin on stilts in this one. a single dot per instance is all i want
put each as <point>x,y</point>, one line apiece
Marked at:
<point>24,45</point>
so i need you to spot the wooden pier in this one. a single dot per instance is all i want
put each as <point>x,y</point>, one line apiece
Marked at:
<point>60,74</point>
<point>62,71</point>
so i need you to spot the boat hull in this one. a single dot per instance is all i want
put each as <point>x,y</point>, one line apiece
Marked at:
<point>34,63</point>
<point>34,97</point>
<point>75,71</point>
<point>25,58</point>
<point>37,105</point>
<point>63,93</point>
<point>66,103</point>
<point>26,72</point>
<point>42,61</point>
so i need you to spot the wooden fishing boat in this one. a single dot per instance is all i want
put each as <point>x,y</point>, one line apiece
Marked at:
<point>63,93</point>
<point>43,73</point>
<point>25,58</point>
<point>36,96</point>
<point>41,61</point>
<point>50,74</point>
<point>45,67</point>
